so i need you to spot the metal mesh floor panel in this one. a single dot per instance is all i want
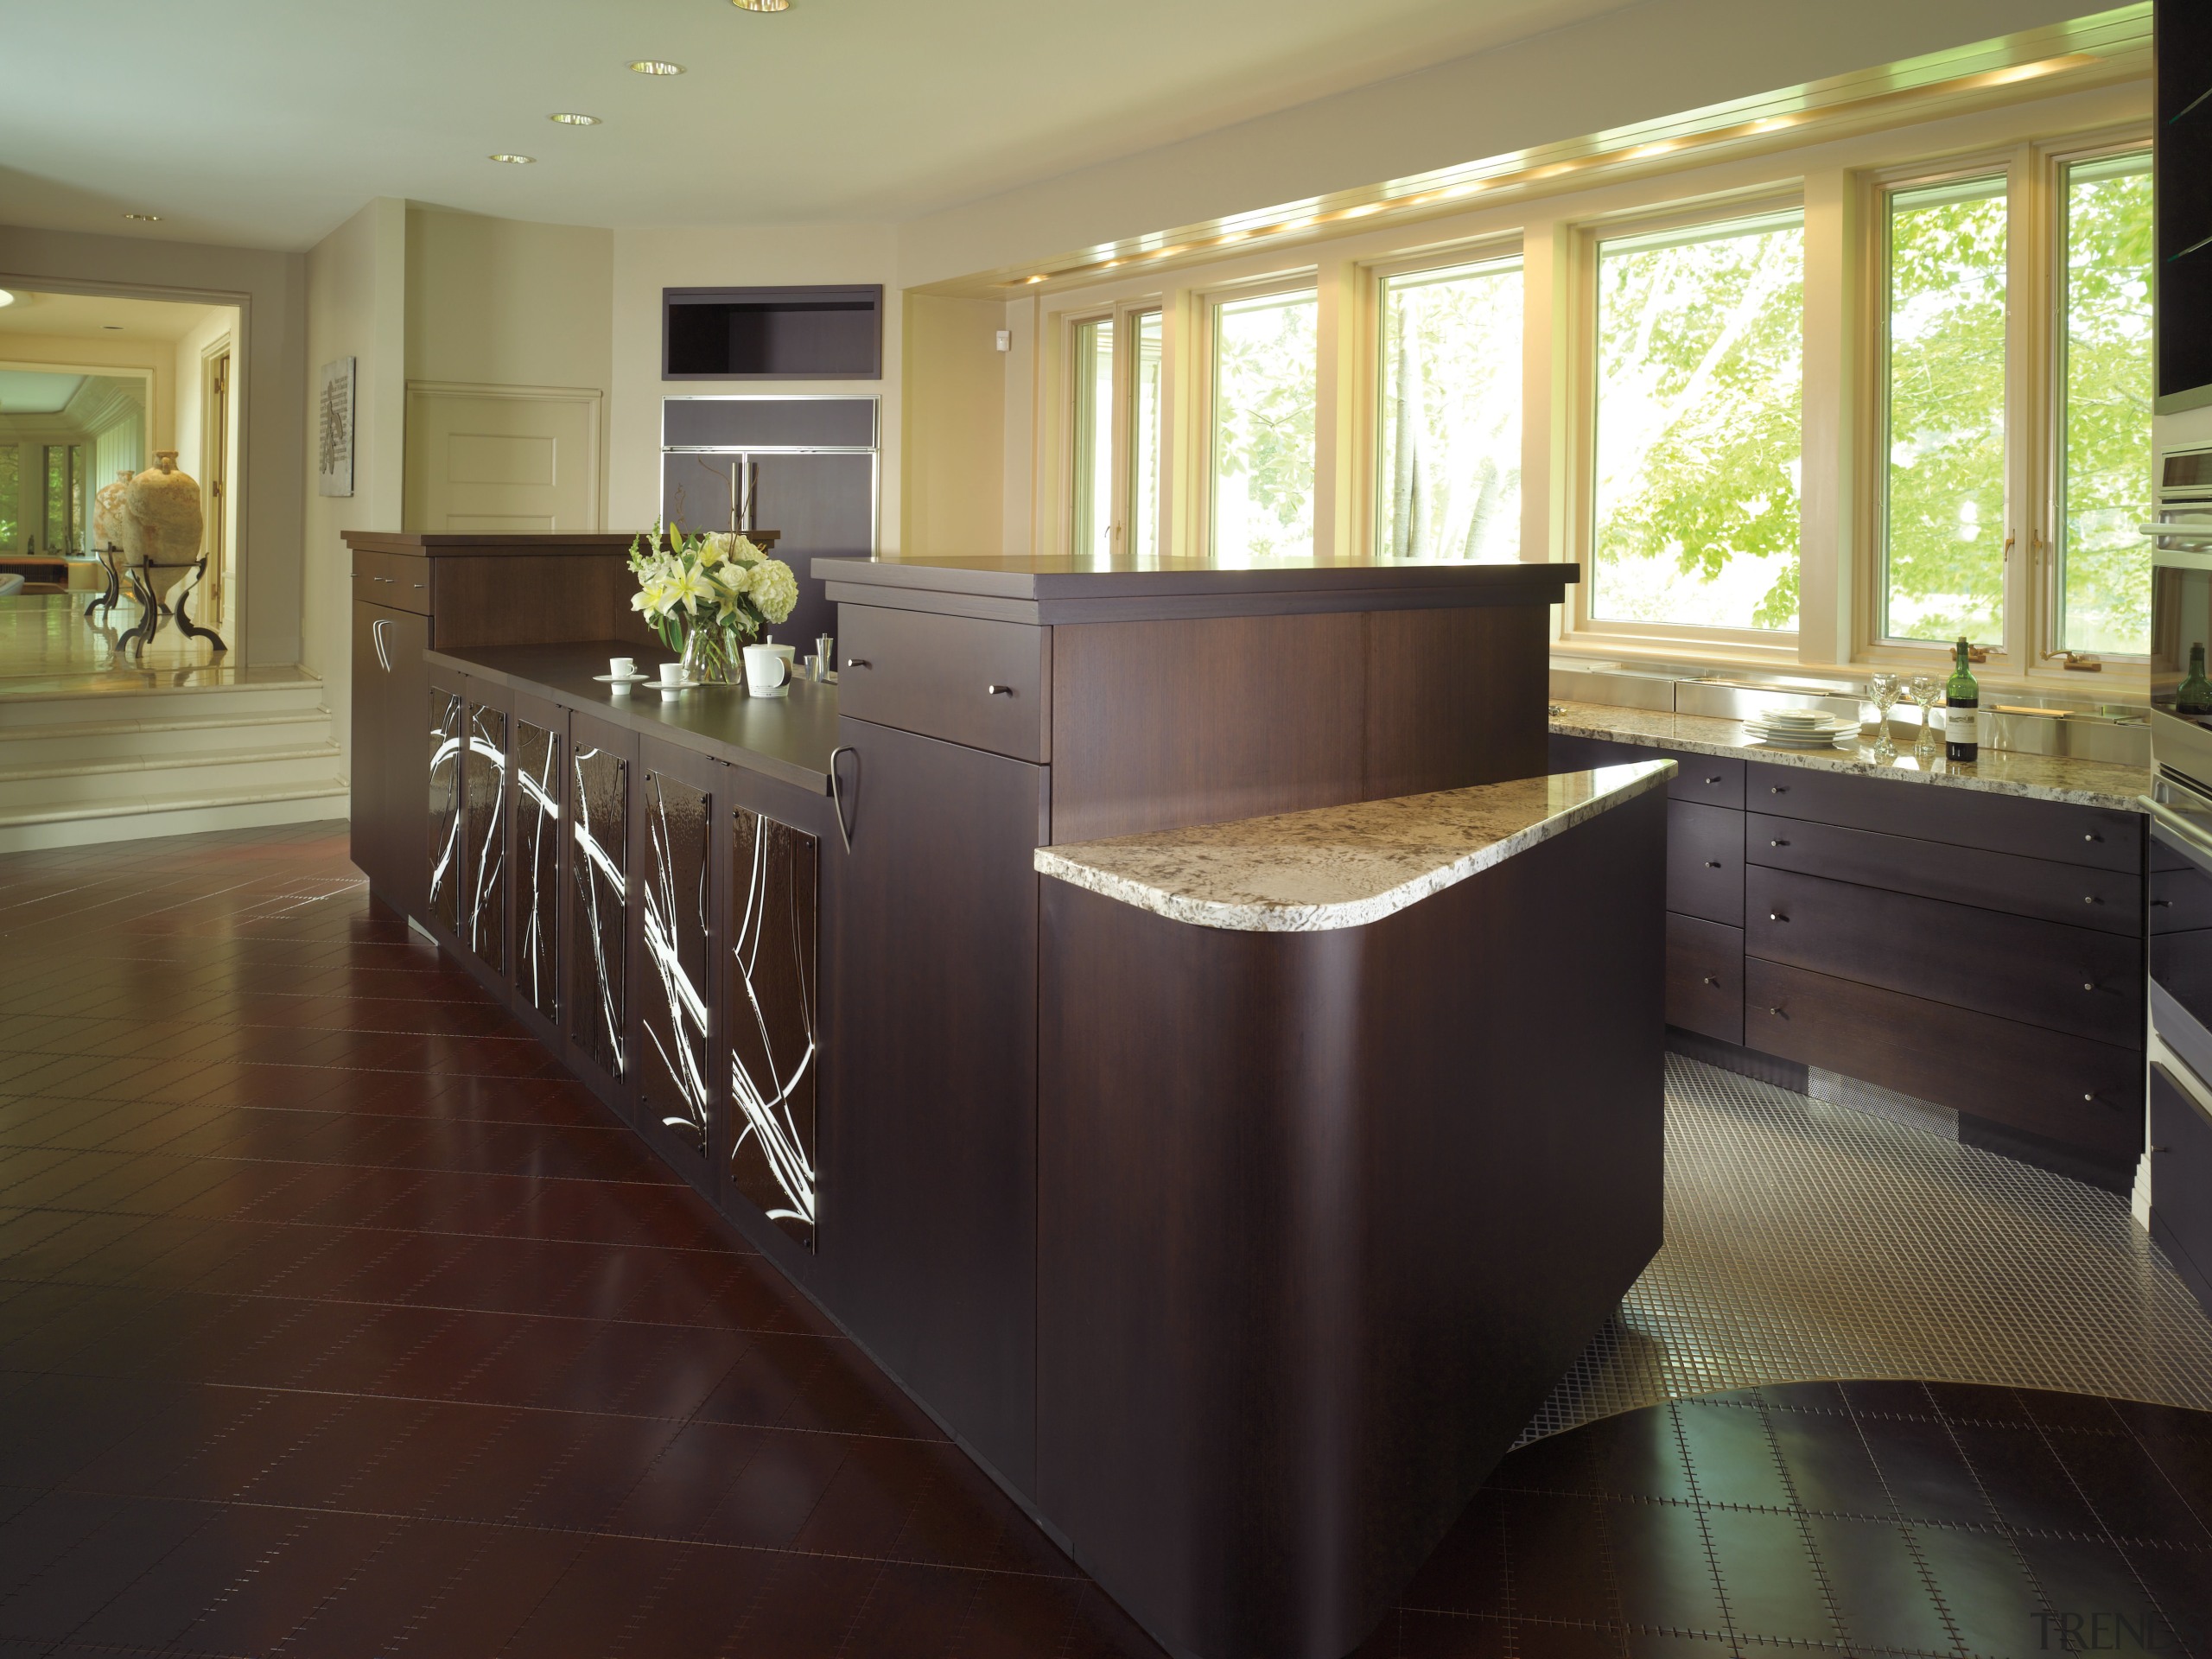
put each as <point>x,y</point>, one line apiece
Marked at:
<point>1810,1242</point>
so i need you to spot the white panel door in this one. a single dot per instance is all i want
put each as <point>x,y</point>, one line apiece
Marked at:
<point>497,461</point>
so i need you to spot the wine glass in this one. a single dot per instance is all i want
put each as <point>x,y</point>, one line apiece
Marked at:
<point>1883,690</point>
<point>1923,691</point>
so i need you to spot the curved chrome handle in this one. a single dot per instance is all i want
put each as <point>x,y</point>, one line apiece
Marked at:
<point>998,690</point>
<point>376,633</point>
<point>837,800</point>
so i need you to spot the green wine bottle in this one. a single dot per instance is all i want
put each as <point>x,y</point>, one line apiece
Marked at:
<point>1961,738</point>
<point>2195,697</point>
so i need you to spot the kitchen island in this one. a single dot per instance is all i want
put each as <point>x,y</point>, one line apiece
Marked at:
<point>804,945</point>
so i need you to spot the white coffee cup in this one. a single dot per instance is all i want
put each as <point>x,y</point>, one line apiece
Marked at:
<point>671,673</point>
<point>766,670</point>
<point>621,668</point>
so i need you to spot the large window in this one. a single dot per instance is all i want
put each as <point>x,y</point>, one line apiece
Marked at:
<point>1145,438</point>
<point>1448,434</point>
<point>11,523</point>
<point>2103,568</point>
<point>1698,426</point>
<point>1092,533</point>
<point>1944,460</point>
<point>1265,370</point>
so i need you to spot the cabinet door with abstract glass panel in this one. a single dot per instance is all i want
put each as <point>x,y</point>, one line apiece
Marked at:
<point>778,840</point>
<point>674,969</point>
<point>482,898</point>
<point>537,777</point>
<point>601,774</point>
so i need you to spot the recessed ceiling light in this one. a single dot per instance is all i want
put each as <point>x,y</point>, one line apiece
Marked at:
<point>656,67</point>
<point>148,219</point>
<point>6,298</point>
<point>513,161</point>
<point>762,5</point>
<point>572,118</point>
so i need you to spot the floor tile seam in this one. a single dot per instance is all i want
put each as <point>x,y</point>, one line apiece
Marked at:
<point>140,1577</point>
<point>1635,1627</point>
<point>732,1252</point>
<point>2027,1567</point>
<point>238,1581</point>
<point>672,1184</point>
<point>561,1411</point>
<point>2150,1597</point>
<point>310,1512</point>
<point>1805,1530</point>
<point>1704,1530</point>
<point>1729,1506</point>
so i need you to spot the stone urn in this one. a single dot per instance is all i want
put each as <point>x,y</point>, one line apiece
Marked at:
<point>164,505</point>
<point>112,524</point>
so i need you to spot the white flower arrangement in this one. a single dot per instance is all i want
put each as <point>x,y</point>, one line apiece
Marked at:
<point>709,595</point>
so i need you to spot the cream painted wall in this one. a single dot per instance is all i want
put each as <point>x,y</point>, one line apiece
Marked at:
<point>1661,58</point>
<point>270,290</point>
<point>645,262</point>
<point>955,378</point>
<point>505,302</point>
<point>356,292</point>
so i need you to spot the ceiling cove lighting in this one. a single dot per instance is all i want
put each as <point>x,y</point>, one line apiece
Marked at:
<point>762,5</point>
<point>145,218</point>
<point>512,161</point>
<point>655,66</point>
<point>6,299</point>
<point>573,119</point>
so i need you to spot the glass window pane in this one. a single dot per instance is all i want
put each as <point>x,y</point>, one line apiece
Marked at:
<point>1448,438</point>
<point>1700,439</point>
<point>2104,588</point>
<point>1265,366</point>
<point>11,527</point>
<point>1144,441</point>
<point>1944,508</point>
<point>1092,377</point>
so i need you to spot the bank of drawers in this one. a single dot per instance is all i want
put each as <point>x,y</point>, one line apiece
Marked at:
<point>1980,951</point>
<point>985,685</point>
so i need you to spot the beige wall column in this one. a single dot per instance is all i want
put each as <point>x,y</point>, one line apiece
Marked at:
<point>1340,413</point>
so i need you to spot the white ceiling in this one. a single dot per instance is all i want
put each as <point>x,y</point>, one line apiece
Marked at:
<point>25,392</point>
<point>96,317</point>
<point>264,123</point>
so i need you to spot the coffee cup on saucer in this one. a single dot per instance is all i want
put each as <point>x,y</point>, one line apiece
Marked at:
<point>621,668</point>
<point>671,676</point>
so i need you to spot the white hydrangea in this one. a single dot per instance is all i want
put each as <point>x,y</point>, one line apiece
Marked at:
<point>774,590</point>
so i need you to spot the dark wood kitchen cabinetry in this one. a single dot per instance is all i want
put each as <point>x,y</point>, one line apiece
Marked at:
<point>415,593</point>
<point>1979,951</point>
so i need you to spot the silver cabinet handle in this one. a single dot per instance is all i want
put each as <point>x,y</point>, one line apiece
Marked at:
<point>1710,980</point>
<point>998,690</point>
<point>1777,1012</point>
<point>858,662</point>
<point>837,800</point>
<point>1712,863</point>
<point>2088,985</point>
<point>1776,916</point>
<point>376,633</point>
<point>1777,844</point>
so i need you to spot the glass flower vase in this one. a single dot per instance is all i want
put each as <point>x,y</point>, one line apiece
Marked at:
<point>710,657</point>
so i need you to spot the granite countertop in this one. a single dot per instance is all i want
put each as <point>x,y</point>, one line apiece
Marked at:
<point>2036,777</point>
<point>789,738</point>
<point>1341,866</point>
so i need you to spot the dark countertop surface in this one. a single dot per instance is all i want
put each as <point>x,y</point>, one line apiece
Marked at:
<point>1042,591</point>
<point>788,738</point>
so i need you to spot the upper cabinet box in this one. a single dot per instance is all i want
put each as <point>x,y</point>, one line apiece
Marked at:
<point>2182,206</point>
<point>772,333</point>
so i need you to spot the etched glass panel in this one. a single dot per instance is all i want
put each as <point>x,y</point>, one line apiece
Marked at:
<point>599,806</point>
<point>676,956</point>
<point>445,808</point>
<point>484,789</point>
<point>772,1002</point>
<point>537,862</point>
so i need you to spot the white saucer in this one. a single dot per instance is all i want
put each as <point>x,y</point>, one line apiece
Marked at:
<point>625,679</point>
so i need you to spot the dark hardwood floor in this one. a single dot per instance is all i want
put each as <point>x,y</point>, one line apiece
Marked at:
<point>332,1323</point>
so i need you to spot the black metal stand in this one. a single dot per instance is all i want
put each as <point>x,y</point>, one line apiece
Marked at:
<point>142,635</point>
<point>106,601</point>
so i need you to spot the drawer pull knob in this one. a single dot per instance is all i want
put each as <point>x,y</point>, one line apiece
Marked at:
<point>2093,837</point>
<point>2091,899</point>
<point>2088,985</point>
<point>1710,980</point>
<point>1777,844</point>
<point>1712,863</point>
<point>858,662</point>
<point>1712,780</point>
<point>2162,904</point>
<point>1777,789</point>
<point>1776,916</point>
<point>2090,1098</point>
<point>998,690</point>
<point>1777,1013</point>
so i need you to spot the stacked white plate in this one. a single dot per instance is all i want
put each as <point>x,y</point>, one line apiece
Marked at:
<point>1802,728</point>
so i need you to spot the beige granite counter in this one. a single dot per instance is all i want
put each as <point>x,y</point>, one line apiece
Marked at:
<point>1341,866</point>
<point>2036,777</point>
